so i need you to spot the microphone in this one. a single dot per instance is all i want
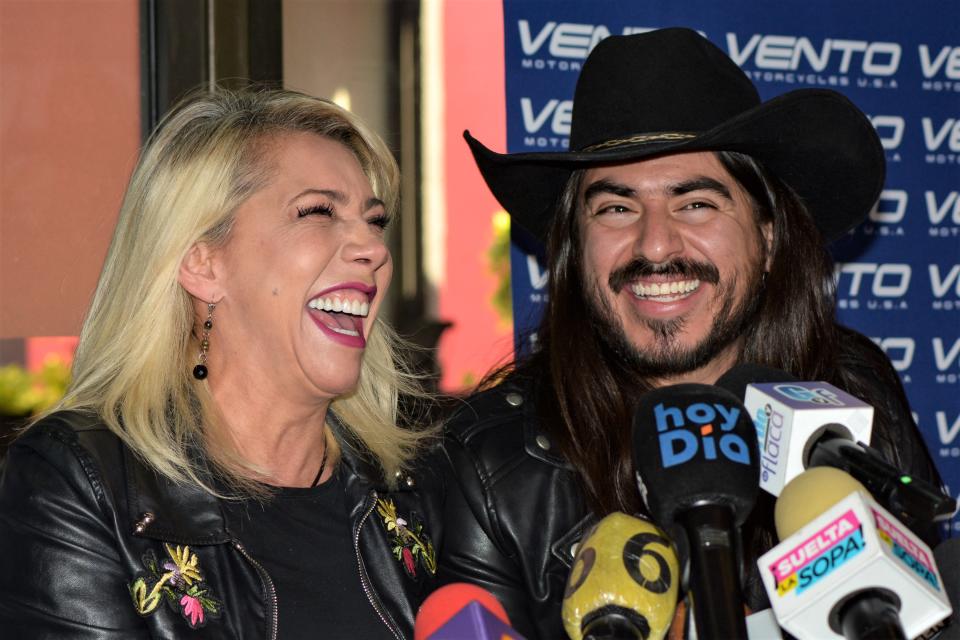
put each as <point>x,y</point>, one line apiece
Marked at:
<point>852,570</point>
<point>623,584</point>
<point>695,454</point>
<point>462,611</point>
<point>809,424</point>
<point>947,555</point>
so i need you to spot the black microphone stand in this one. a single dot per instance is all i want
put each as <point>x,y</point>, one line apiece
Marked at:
<point>714,574</point>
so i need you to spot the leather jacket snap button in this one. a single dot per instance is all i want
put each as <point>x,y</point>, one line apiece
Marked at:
<point>143,522</point>
<point>514,399</point>
<point>543,442</point>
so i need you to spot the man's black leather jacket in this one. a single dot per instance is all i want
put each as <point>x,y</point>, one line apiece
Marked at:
<point>81,517</point>
<point>518,513</point>
<point>513,525</point>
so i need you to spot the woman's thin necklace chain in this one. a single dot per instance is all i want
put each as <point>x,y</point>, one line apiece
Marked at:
<point>323,461</point>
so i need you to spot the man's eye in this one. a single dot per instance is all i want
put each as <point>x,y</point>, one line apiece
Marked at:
<point>317,209</point>
<point>699,205</point>
<point>612,208</point>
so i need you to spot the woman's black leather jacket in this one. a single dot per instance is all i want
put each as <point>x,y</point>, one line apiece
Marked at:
<point>86,528</point>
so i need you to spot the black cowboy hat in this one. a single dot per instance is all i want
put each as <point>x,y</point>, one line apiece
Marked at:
<point>671,91</point>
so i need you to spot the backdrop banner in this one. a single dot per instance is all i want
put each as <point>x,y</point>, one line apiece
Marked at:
<point>898,275</point>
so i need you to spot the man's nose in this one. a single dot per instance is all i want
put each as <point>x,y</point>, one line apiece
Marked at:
<point>658,236</point>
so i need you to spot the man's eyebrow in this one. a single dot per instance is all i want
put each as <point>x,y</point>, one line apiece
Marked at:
<point>700,183</point>
<point>607,186</point>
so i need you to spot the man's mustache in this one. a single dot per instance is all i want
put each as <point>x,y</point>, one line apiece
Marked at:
<point>641,267</point>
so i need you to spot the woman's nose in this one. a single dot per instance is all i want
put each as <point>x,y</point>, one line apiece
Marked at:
<point>365,243</point>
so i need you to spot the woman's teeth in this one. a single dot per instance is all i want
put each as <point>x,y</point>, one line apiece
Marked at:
<point>676,288</point>
<point>354,308</point>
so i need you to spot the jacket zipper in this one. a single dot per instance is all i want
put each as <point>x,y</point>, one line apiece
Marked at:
<point>364,580</point>
<point>271,590</point>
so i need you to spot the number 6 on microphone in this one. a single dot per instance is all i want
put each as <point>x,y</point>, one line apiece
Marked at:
<point>625,577</point>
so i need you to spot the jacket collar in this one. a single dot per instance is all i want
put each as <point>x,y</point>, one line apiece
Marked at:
<point>186,514</point>
<point>163,510</point>
<point>361,476</point>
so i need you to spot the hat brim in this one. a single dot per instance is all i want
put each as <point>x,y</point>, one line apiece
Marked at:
<point>816,141</point>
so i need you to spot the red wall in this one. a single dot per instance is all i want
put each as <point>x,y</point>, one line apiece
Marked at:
<point>69,134</point>
<point>474,79</point>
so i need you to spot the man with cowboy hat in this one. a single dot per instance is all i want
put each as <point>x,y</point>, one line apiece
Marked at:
<point>686,232</point>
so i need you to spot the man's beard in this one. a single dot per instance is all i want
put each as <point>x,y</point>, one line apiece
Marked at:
<point>664,356</point>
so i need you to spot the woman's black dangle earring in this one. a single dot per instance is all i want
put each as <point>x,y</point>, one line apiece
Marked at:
<point>200,371</point>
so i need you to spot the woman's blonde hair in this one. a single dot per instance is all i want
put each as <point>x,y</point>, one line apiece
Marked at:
<point>136,351</point>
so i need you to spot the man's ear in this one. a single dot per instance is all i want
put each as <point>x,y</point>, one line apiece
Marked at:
<point>198,273</point>
<point>766,230</point>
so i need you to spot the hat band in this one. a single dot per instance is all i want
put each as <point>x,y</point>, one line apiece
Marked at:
<point>640,139</point>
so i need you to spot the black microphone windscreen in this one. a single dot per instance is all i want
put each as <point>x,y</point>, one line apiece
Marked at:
<point>694,444</point>
<point>736,379</point>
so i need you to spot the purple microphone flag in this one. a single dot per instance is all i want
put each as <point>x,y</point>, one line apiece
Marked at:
<point>475,622</point>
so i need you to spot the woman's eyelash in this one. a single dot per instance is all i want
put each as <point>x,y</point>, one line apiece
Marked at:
<point>382,221</point>
<point>321,209</point>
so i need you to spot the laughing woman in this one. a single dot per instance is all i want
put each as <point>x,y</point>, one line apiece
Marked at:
<point>227,461</point>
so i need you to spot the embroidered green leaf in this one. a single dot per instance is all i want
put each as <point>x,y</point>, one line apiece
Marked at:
<point>150,561</point>
<point>209,604</point>
<point>143,602</point>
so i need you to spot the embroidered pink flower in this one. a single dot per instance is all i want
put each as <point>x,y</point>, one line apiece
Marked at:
<point>193,608</point>
<point>408,562</point>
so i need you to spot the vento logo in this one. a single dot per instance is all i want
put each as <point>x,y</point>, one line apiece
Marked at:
<point>558,113</point>
<point>885,217</point>
<point>786,53</point>
<point>538,279</point>
<point>942,140</point>
<point>891,206</point>
<point>538,276</point>
<point>890,129</point>
<point>946,59</point>
<point>943,209</point>
<point>945,358</point>
<point>947,432</point>
<point>830,62</point>
<point>887,283</point>
<point>941,284</point>
<point>940,68</point>
<point>899,350</point>
<point>569,41</point>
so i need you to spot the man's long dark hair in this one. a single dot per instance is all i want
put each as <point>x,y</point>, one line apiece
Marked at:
<point>587,390</point>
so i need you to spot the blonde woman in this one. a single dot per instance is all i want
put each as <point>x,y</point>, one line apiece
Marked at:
<point>227,462</point>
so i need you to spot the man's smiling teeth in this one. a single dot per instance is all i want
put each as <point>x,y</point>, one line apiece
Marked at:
<point>673,290</point>
<point>354,308</point>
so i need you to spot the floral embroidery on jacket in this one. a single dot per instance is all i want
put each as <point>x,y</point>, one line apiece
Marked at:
<point>178,580</point>
<point>411,544</point>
